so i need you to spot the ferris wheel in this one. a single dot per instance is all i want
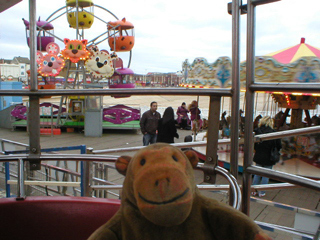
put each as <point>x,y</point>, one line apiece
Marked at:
<point>81,56</point>
<point>84,62</point>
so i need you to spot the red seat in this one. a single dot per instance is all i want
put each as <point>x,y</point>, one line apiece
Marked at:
<point>54,218</point>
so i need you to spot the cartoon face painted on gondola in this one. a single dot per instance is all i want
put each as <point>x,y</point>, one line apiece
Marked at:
<point>50,64</point>
<point>100,63</point>
<point>75,50</point>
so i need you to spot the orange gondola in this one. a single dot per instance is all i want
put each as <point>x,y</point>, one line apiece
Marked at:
<point>121,39</point>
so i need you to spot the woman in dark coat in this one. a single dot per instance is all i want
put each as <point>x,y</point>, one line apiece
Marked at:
<point>263,151</point>
<point>183,118</point>
<point>166,127</point>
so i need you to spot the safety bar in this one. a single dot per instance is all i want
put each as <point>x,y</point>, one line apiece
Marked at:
<point>237,197</point>
<point>234,186</point>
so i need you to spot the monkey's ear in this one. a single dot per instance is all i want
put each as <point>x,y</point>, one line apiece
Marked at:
<point>122,164</point>
<point>193,157</point>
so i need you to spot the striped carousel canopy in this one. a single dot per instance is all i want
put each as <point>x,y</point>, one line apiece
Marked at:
<point>291,54</point>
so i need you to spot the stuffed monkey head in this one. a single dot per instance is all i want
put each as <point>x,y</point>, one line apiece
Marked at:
<point>160,183</point>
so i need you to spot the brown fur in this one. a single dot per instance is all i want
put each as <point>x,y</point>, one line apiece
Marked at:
<point>161,201</point>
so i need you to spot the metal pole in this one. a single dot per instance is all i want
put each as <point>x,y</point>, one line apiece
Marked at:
<point>33,115</point>
<point>248,144</point>
<point>212,138</point>
<point>7,170</point>
<point>86,174</point>
<point>21,192</point>
<point>33,46</point>
<point>234,132</point>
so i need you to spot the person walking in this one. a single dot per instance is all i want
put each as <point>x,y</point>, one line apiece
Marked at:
<point>149,124</point>
<point>196,122</point>
<point>167,130</point>
<point>183,118</point>
<point>262,156</point>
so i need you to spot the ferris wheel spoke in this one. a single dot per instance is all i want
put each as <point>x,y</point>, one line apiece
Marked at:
<point>54,13</point>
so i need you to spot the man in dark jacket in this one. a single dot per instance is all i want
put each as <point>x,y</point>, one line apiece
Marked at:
<point>149,124</point>
<point>263,151</point>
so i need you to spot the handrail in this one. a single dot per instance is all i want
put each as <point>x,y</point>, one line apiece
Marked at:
<point>288,231</point>
<point>286,133</point>
<point>286,87</point>
<point>178,145</point>
<point>122,91</point>
<point>237,197</point>
<point>2,140</point>
<point>223,187</point>
<point>286,207</point>
<point>234,186</point>
<point>276,175</point>
<point>59,157</point>
<point>257,138</point>
<point>46,183</point>
<point>284,177</point>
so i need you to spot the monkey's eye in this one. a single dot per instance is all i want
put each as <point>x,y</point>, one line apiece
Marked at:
<point>174,158</point>
<point>142,161</point>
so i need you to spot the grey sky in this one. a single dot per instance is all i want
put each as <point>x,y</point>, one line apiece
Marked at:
<point>168,32</point>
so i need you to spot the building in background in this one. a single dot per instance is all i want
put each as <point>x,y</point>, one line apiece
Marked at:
<point>157,79</point>
<point>15,69</point>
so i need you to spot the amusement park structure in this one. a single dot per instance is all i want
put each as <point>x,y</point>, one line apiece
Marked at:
<point>83,65</point>
<point>296,64</point>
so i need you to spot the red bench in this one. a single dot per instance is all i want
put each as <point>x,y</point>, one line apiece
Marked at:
<point>54,218</point>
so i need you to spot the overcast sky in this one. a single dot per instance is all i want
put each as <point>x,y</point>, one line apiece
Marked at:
<point>168,32</point>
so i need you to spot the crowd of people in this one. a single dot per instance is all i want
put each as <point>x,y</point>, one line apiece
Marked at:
<point>164,129</point>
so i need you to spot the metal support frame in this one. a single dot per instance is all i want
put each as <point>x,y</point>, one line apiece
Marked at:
<point>7,178</point>
<point>235,113</point>
<point>86,175</point>
<point>34,115</point>
<point>21,191</point>
<point>212,138</point>
<point>248,135</point>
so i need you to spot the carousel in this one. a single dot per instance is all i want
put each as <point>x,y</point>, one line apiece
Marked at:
<point>296,64</point>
